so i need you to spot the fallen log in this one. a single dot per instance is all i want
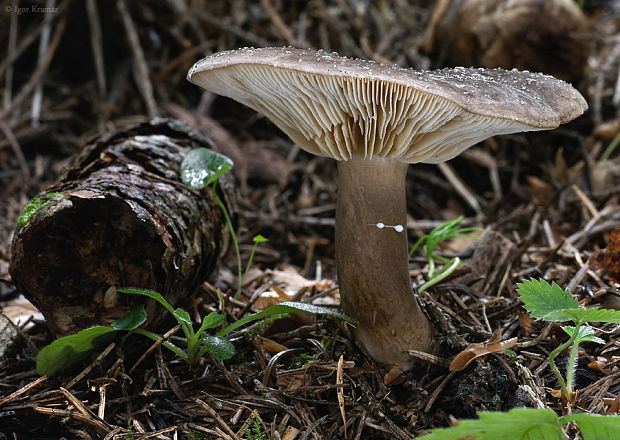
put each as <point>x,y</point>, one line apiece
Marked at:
<point>119,216</point>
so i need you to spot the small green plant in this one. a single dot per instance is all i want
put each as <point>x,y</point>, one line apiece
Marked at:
<point>299,361</point>
<point>130,429</point>
<point>255,432</point>
<point>203,167</point>
<point>552,303</point>
<point>197,342</point>
<point>66,351</point>
<point>429,243</point>
<point>610,148</point>
<point>511,355</point>
<point>257,239</point>
<point>528,424</point>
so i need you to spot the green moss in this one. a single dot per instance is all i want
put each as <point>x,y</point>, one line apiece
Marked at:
<point>34,205</point>
<point>299,361</point>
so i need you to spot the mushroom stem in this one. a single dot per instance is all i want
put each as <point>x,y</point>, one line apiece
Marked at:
<point>372,260</point>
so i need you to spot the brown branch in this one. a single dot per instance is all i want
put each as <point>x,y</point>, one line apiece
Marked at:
<point>37,74</point>
<point>10,137</point>
<point>279,23</point>
<point>96,44</point>
<point>141,72</point>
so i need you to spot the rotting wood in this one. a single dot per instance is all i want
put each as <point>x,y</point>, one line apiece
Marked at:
<point>124,219</point>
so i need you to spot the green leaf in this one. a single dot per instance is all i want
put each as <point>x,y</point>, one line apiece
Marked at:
<point>212,320</point>
<point>201,167</point>
<point>220,348</point>
<point>517,424</point>
<point>150,293</point>
<point>443,232</point>
<point>541,298</point>
<point>585,334</point>
<point>580,314</point>
<point>293,307</point>
<point>183,317</point>
<point>155,337</point>
<point>286,307</point>
<point>131,320</point>
<point>595,427</point>
<point>64,352</point>
<point>259,239</point>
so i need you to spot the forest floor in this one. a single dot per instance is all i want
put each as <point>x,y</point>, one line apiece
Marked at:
<point>547,200</point>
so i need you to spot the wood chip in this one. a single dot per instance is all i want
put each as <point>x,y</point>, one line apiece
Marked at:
<point>340,393</point>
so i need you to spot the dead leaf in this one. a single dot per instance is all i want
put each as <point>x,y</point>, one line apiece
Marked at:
<point>615,406</point>
<point>473,351</point>
<point>600,365</point>
<point>525,322</point>
<point>541,191</point>
<point>291,281</point>
<point>291,433</point>
<point>561,170</point>
<point>20,310</point>
<point>559,395</point>
<point>608,259</point>
<point>272,347</point>
<point>393,373</point>
<point>282,295</point>
<point>267,299</point>
<point>607,131</point>
<point>286,283</point>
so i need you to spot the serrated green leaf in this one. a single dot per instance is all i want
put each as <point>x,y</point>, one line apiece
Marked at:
<point>594,426</point>
<point>201,167</point>
<point>286,307</point>
<point>541,298</point>
<point>580,314</point>
<point>517,424</point>
<point>585,334</point>
<point>220,348</point>
<point>131,320</point>
<point>66,351</point>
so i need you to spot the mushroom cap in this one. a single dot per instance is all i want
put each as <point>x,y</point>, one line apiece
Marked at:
<point>344,108</point>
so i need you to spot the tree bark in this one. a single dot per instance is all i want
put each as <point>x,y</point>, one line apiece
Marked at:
<point>120,216</point>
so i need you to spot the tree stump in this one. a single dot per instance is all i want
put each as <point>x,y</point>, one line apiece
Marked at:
<point>119,216</point>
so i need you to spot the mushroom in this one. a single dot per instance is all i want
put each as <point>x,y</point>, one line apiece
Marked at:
<point>375,120</point>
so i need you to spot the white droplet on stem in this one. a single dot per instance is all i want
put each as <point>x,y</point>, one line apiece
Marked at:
<point>397,228</point>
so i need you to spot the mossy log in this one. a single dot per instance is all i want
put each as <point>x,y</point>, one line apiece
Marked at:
<point>119,216</point>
